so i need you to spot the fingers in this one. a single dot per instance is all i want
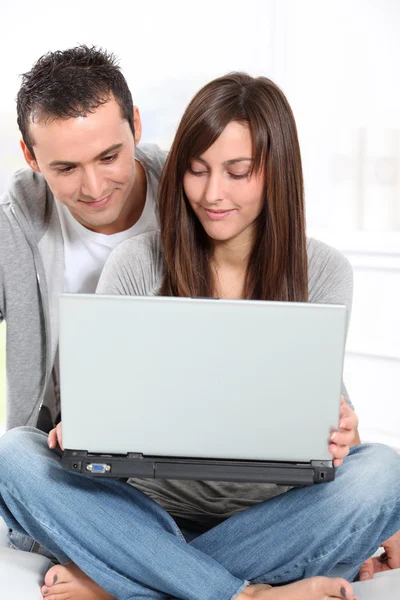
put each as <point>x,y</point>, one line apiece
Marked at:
<point>349,422</point>
<point>52,439</point>
<point>367,570</point>
<point>55,437</point>
<point>339,448</point>
<point>392,551</point>
<point>342,439</point>
<point>348,418</point>
<point>59,436</point>
<point>339,451</point>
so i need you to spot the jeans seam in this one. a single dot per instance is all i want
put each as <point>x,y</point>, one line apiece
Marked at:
<point>90,557</point>
<point>326,555</point>
<point>57,533</point>
<point>175,526</point>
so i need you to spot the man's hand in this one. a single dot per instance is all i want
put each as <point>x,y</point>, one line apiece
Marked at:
<point>390,559</point>
<point>343,438</point>
<point>55,437</point>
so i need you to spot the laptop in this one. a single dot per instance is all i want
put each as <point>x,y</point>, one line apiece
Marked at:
<point>206,389</point>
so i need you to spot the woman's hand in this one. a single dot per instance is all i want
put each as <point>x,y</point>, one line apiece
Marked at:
<point>390,559</point>
<point>343,438</point>
<point>55,437</point>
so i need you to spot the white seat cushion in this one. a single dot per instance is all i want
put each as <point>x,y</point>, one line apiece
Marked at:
<point>3,534</point>
<point>384,586</point>
<point>21,574</point>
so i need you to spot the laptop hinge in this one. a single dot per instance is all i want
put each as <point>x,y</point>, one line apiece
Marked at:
<point>321,463</point>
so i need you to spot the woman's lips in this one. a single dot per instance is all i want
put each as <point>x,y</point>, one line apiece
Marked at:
<point>219,215</point>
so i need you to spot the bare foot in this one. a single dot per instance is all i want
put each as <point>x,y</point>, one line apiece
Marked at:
<point>68,582</point>
<point>315,588</point>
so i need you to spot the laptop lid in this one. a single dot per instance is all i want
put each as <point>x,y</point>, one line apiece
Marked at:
<point>247,380</point>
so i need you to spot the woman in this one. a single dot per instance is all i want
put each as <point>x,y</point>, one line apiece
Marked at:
<point>232,226</point>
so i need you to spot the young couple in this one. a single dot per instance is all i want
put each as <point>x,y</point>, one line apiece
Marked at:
<point>232,225</point>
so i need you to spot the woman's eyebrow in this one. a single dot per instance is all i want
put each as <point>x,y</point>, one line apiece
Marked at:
<point>236,160</point>
<point>231,161</point>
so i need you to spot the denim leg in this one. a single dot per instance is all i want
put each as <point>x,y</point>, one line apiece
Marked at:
<point>18,541</point>
<point>326,529</point>
<point>123,540</point>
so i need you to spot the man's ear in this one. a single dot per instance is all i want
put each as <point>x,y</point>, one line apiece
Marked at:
<point>31,160</point>
<point>137,123</point>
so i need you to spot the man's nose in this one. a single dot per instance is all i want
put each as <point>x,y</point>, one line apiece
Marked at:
<point>92,184</point>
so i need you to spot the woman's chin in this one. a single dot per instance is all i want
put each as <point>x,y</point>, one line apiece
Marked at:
<point>220,234</point>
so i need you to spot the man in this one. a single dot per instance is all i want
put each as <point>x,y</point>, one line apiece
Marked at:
<point>88,188</point>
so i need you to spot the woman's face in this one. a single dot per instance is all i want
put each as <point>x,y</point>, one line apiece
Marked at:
<point>225,197</point>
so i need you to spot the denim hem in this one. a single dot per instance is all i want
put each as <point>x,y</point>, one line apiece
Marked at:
<point>244,585</point>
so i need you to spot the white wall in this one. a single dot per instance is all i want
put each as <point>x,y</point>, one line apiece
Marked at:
<point>372,366</point>
<point>336,60</point>
<point>167,51</point>
<point>341,81</point>
<point>373,360</point>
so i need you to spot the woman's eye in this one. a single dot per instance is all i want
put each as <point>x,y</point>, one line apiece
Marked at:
<point>197,173</point>
<point>238,176</point>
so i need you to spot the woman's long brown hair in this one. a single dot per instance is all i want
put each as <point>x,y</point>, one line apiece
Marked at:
<point>277,266</point>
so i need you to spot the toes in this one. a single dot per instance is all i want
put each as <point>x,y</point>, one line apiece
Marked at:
<point>56,592</point>
<point>55,575</point>
<point>341,588</point>
<point>51,575</point>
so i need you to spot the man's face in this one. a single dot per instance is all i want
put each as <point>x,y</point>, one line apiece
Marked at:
<point>89,165</point>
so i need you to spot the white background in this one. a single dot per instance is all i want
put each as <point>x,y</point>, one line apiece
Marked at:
<point>338,63</point>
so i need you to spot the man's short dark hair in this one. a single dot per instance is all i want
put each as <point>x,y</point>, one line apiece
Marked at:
<point>71,83</point>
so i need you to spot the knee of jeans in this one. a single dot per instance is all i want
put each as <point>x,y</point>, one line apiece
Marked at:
<point>374,474</point>
<point>21,452</point>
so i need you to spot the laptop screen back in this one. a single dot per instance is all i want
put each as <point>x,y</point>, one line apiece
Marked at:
<point>200,378</point>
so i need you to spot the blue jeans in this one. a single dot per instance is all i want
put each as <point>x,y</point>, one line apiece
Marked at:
<point>134,549</point>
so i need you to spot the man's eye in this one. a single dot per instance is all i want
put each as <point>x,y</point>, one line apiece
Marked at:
<point>66,170</point>
<point>110,158</point>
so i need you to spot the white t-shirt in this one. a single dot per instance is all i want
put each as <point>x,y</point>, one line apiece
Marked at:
<point>85,251</point>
